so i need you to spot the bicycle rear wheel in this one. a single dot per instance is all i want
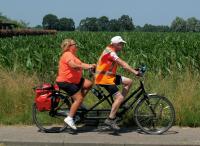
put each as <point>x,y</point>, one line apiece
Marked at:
<point>51,121</point>
<point>155,114</point>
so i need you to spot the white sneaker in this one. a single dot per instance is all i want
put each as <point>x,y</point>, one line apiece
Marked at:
<point>70,122</point>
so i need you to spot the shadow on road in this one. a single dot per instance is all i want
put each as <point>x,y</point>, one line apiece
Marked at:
<point>105,130</point>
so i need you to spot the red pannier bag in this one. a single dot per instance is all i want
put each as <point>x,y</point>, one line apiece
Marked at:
<point>43,97</point>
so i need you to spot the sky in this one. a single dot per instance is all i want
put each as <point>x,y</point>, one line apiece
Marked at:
<point>156,12</point>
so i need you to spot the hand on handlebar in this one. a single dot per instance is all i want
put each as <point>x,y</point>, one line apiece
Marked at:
<point>93,66</point>
<point>92,70</point>
<point>138,73</point>
<point>141,70</point>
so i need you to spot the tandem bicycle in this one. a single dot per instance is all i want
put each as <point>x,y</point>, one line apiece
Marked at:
<point>153,114</point>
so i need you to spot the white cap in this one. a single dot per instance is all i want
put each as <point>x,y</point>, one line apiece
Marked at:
<point>117,39</point>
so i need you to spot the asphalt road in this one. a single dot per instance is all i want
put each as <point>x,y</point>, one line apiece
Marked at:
<point>30,136</point>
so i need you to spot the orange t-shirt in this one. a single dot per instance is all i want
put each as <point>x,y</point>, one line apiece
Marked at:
<point>67,73</point>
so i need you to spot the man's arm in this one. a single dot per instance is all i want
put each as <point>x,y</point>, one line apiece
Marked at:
<point>126,66</point>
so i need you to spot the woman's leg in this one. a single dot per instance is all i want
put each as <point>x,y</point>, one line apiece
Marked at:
<point>87,85</point>
<point>78,99</point>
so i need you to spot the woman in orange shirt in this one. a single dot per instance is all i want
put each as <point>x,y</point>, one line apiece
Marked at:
<point>70,77</point>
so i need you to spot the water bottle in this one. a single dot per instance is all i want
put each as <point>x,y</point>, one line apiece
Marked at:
<point>97,93</point>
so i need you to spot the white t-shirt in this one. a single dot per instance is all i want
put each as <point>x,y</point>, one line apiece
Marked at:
<point>114,55</point>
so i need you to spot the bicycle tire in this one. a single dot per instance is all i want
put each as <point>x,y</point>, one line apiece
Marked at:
<point>156,118</point>
<point>51,124</point>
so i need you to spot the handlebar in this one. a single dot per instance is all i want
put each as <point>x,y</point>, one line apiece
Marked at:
<point>141,69</point>
<point>91,72</point>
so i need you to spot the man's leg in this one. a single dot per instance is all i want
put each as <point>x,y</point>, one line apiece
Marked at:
<point>115,106</point>
<point>127,83</point>
<point>114,91</point>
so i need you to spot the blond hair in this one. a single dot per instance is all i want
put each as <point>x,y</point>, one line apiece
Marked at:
<point>66,44</point>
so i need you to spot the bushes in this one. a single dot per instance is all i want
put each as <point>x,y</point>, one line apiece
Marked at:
<point>18,32</point>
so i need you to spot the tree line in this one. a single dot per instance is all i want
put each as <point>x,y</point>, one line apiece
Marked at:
<point>124,23</point>
<point>103,23</point>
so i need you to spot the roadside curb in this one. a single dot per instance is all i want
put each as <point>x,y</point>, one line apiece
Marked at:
<point>17,143</point>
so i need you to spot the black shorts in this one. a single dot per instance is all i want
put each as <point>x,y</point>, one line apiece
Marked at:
<point>113,89</point>
<point>71,88</point>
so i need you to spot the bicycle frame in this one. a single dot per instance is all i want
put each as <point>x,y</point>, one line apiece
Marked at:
<point>123,109</point>
<point>136,93</point>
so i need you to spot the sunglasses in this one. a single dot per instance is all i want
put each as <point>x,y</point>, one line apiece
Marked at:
<point>120,44</point>
<point>73,45</point>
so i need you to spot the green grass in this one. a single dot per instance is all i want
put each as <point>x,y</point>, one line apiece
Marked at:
<point>183,90</point>
<point>16,97</point>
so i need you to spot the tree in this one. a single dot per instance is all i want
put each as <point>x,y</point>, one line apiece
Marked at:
<point>154,28</point>
<point>82,26</point>
<point>163,28</point>
<point>197,28</point>
<point>89,24</point>
<point>3,18</point>
<point>103,23</point>
<point>148,28</point>
<point>66,24</point>
<point>126,23</point>
<point>38,27</point>
<point>192,24</point>
<point>138,28</point>
<point>18,24</point>
<point>114,25</point>
<point>178,25</point>
<point>50,21</point>
<point>23,24</point>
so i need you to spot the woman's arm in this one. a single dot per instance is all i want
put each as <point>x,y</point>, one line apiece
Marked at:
<point>72,64</point>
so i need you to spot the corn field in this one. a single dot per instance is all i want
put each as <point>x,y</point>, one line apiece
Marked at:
<point>163,53</point>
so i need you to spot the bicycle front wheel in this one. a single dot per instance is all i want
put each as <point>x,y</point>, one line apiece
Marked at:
<point>51,121</point>
<point>155,114</point>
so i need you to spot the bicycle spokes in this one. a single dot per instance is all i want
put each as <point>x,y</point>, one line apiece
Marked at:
<point>155,115</point>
